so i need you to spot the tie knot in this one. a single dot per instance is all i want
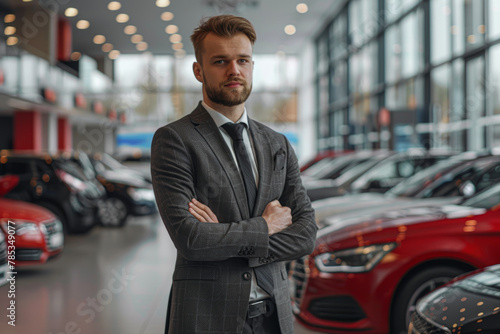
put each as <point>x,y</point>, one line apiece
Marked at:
<point>235,130</point>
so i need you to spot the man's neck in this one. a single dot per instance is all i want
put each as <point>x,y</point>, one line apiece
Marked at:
<point>233,113</point>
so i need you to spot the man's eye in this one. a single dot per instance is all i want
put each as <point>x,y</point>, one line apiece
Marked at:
<point>219,62</point>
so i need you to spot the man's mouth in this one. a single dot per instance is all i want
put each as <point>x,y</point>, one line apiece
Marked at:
<point>233,84</point>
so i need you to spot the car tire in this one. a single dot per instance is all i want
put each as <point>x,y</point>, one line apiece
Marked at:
<point>112,212</point>
<point>414,288</point>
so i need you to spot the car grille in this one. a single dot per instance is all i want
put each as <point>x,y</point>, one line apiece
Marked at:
<point>51,229</point>
<point>337,308</point>
<point>3,251</point>
<point>299,276</point>
<point>28,254</point>
<point>421,326</point>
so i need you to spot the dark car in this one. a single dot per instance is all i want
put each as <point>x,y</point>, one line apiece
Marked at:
<point>378,174</point>
<point>128,193</point>
<point>448,181</point>
<point>468,304</point>
<point>366,276</point>
<point>55,183</point>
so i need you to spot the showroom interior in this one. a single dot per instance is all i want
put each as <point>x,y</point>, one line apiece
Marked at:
<point>391,106</point>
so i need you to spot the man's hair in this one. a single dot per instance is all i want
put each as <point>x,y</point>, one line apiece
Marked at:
<point>222,26</point>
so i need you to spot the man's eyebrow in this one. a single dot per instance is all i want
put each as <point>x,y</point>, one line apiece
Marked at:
<point>243,55</point>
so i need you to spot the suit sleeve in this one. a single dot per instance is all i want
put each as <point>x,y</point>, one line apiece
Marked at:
<point>299,238</point>
<point>173,174</point>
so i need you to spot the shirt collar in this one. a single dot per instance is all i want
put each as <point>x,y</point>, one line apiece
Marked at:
<point>220,119</point>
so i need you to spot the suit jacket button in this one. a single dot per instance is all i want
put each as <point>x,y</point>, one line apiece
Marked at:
<point>247,276</point>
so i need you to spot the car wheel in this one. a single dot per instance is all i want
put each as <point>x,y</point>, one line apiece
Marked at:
<point>112,212</point>
<point>415,288</point>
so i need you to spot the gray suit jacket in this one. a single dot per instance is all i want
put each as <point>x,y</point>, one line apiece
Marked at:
<point>211,281</point>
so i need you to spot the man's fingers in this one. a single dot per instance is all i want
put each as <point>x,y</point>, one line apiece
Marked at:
<point>202,212</point>
<point>197,215</point>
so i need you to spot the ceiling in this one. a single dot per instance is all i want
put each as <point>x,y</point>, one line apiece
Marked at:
<point>268,16</point>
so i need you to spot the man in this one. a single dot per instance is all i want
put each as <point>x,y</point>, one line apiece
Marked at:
<point>230,197</point>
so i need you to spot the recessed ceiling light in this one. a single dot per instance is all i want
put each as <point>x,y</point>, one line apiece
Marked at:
<point>114,5</point>
<point>12,40</point>
<point>9,30</point>
<point>75,56</point>
<point>99,39</point>
<point>171,29</point>
<point>71,12</point>
<point>130,30</point>
<point>82,24</point>
<point>175,38</point>
<point>142,46</point>
<point>122,18</point>
<point>107,47</point>
<point>167,16</point>
<point>9,18</point>
<point>27,0</point>
<point>136,38</point>
<point>113,54</point>
<point>162,3</point>
<point>290,29</point>
<point>302,8</point>
<point>177,46</point>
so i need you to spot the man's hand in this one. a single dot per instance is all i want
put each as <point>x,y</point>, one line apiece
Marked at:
<point>277,217</point>
<point>202,212</point>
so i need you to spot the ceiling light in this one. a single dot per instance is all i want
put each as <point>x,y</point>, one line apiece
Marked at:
<point>130,30</point>
<point>302,8</point>
<point>27,0</point>
<point>9,18</point>
<point>99,39</point>
<point>142,46</point>
<point>113,54</point>
<point>171,29</point>
<point>9,30</point>
<point>136,38</point>
<point>167,16</point>
<point>82,24</point>
<point>290,29</point>
<point>12,40</point>
<point>114,5</point>
<point>175,38</point>
<point>76,56</point>
<point>162,3</point>
<point>107,47</point>
<point>122,18</point>
<point>71,12</point>
<point>177,46</point>
<point>180,54</point>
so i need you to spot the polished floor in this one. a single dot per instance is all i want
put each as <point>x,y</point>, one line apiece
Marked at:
<point>109,281</point>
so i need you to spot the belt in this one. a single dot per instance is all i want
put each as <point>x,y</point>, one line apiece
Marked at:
<point>259,308</point>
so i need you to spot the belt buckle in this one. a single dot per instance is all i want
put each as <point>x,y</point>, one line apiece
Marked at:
<point>256,309</point>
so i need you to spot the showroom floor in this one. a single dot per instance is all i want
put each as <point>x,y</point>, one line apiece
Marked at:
<point>107,281</point>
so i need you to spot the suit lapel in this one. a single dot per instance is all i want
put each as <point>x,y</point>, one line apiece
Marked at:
<point>205,125</point>
<point>263,151</point>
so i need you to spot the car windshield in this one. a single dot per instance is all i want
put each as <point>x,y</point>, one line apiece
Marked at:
<point>486,199</point>
<point>359,169</point>
<point>414,184</point>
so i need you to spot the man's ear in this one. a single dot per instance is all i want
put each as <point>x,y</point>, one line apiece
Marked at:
<point>197,70</point>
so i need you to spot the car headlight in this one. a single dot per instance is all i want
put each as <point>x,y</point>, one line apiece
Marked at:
<point>21,227</point>
<point>141,194</point>
<point>354,260</point>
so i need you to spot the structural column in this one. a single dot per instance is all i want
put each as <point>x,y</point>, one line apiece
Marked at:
<point>28,131</point>
<point>64,134</point>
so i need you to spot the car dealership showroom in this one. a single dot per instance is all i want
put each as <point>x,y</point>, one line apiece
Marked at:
<point>391,108</point>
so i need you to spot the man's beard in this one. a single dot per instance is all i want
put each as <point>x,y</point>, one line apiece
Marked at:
<point>228,98</point>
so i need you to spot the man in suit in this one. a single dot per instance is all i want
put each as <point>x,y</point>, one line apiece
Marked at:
<point>229,192</point>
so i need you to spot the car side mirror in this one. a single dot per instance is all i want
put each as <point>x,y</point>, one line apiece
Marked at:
<point>468,189</point>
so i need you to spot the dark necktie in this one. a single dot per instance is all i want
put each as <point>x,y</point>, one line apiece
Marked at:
<point>235,130</point>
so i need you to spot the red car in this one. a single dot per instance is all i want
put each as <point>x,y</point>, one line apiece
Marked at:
<point>38,234</point>
<point>366,277</point>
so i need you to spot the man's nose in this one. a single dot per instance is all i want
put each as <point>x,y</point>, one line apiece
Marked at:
<point>233,68</point>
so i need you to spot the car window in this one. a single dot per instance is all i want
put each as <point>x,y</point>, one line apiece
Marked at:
<point>486,199</point>
<point>16,168</point>
<point>490,177</point>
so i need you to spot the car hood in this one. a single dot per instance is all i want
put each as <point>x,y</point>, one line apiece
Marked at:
<point>366,209</point>
<point>385,219</point>
<point>12,209</point>
<point>471,302</point>
<point>126,178</point>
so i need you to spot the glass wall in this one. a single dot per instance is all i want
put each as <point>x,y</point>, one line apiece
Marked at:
<point>431,63</point>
